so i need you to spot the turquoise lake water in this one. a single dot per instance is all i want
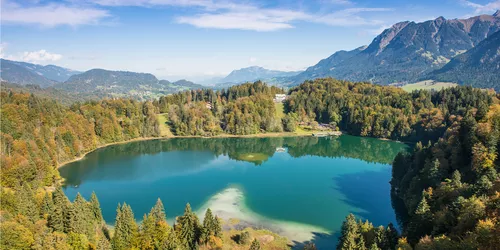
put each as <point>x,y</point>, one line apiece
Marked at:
<point>307,180</point>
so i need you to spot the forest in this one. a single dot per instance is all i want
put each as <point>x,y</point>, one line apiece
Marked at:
<point>446,191</point>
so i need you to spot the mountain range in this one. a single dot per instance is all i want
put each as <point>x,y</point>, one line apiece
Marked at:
<point>28,73</point>
<point>254,73</point>
<point>479,66</point>
<point>102,82</point>
<point>95,83</point>
<point>406,51</point>
<point>465,51</point>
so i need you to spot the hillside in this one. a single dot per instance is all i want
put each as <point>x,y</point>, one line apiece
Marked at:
<point>405,51</point>
<point>479,66</point>
<point>16,73</point>
<point>51,72</point>
<point>254,73</point>
<point>108,83</point>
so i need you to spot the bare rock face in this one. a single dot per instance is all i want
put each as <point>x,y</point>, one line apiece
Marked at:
<point>407,51</point>
<point>479,66</point>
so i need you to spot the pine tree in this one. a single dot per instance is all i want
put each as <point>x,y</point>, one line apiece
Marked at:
<point>47,206</point>
<point>189,228</point>
<point>361,244</point>
<point>456,179</point>
<point>208,225</point>
<point>171,243</point>
<point>95,208</point>
<point>147,232</point>
<point>217,227</point>
<point>158,212</point>
<point>82,218</point>
<point>125,228</point>
<point>392,236</point>
<point>26,204</point>
<point>255,245</point>
<point>349,233</point>
<point>57,215</point>
<point>70,224</point>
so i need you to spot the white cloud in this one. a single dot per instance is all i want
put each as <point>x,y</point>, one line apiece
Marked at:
<point>40,56</point>
<point>488,8</point>
<point>228,14</point>
<point>50,15</point>
<point>252,59</point>
<point>260,20</point>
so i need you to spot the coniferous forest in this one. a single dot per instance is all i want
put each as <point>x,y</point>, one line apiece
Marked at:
<point>446,191</point>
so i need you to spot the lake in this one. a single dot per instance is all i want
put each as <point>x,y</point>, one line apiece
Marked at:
<point>299,187</point>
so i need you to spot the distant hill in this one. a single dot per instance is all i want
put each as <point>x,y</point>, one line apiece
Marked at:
<point>479,66</point>
<point>407,50</point>
<point>104,83</point>
<point>12,71</point>
<point>50,92</point>
<point>254,73</point>
<point>16,73</point>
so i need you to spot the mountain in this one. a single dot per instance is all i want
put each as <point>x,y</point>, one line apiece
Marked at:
<point>109,83</point>
<point>51,93</point>
<point>187,84</point>
<point>254,73</point>
<point>479,66</point>
<point>51,72</point>
<point>407,50</point>
<point>329,63</point>
<point>14,72</point>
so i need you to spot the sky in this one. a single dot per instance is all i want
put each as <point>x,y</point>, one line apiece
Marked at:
<point>202,39</point>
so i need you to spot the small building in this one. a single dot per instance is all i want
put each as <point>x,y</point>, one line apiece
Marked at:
<point>279,98</point>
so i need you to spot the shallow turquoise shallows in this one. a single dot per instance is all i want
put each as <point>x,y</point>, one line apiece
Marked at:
<point>308,181</point>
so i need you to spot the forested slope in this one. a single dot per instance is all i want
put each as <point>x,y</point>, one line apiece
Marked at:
<point>449,187</point>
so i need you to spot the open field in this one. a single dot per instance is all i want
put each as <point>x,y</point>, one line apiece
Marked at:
<point>428,84</point>
<point>164,128</point>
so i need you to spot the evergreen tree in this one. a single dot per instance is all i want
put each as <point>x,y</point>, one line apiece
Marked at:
<point>361,244</point>
<point>57,215</point>
<point>189,228</point>
<point>82,220</point>
<point>158,212</point>
<point>208,225</point>
<point>47,206</point>
<point>95,208</point>
<point>349,233</point>
<point>147,232</point>
<point>171,243</point>
<point>392,236</point>
<point>255,245</point>
<point>217,227</point>
<point>70,219</point>
<point>125,228</point>
<point>26,204</point>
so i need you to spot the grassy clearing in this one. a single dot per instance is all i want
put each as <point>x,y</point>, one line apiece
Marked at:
<point>428,84</point>
<point>280,112</point>
<point>164,128</point>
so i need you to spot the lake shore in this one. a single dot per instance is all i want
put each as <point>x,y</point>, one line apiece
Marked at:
<point>229,204</point>
<point>259,135</point>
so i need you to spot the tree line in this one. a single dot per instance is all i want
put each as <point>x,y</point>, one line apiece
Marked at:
<point>447,186</point>
<point>45,220</point>
<point>240,110</point>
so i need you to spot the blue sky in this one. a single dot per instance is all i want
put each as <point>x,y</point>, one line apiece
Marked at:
<point>198,39</point>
